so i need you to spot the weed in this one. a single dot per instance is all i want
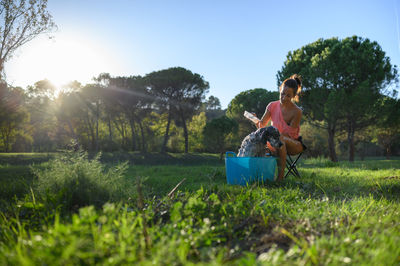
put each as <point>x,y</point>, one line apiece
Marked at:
<point>74,181</point>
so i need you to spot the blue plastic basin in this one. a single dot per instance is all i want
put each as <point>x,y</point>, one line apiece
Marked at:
<point>245,170</point>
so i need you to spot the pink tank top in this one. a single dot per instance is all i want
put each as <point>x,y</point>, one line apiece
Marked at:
<point>277,120</point>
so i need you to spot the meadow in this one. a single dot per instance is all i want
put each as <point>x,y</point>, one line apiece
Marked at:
<point>74,208</point>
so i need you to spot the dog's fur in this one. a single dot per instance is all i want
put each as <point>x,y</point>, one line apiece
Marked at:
<point>254,144</point>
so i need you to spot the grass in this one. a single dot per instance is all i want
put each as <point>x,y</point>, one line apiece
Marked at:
<point>337,214</point>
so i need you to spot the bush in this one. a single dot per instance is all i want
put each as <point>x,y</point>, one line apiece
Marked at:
<point>74,181</point>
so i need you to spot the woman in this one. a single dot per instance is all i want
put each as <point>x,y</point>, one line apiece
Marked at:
<point>285,115</point>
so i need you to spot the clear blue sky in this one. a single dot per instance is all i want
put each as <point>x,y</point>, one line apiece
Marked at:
<point>234,45</point>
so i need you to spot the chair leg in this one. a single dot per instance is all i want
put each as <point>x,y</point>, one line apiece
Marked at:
<point>295,166</point>
<point>291,166</point>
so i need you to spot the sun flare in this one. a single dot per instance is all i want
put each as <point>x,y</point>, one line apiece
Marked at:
<point>60,60</point>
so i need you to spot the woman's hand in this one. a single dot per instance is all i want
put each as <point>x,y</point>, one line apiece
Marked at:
<point>258,123</point>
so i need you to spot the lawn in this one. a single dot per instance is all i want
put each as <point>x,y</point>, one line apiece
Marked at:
<point>336,214</point>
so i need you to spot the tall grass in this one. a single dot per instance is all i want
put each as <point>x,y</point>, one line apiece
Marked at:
<point>337,214</point>
<point>230,226</point>
<point>75,181</point>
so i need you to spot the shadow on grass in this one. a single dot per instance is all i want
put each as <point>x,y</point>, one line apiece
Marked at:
<point>134,158</point>
<point>341,188</point>
<point>373,163</point>
<point>152,159</point>
<point>25,158</point>
<point>15,181</point>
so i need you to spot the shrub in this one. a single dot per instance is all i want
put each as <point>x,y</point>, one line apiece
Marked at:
<point>73,181</point>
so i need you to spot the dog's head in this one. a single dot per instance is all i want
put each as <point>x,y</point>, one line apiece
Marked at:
<point>270,134</point>
<point>274,137</point>
<point>261,135</point>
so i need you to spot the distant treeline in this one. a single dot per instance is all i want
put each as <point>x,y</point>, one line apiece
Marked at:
<point>349,102</point>
<point>162,111</point>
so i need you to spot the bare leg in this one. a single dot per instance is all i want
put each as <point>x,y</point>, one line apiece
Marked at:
<point>281,161</point>
<point>293,146</point>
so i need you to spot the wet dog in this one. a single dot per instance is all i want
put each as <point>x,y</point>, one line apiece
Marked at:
<point>254,144</point>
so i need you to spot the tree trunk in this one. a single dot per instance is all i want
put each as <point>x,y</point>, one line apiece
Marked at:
<point>362,153</point>
<point>164,146</point>
<point>1,68</point>
<point>110,137</point>
<point>121,130</point>
<point>185,134</point>
<point>120,126</point>
<point>331,144</point>
<point>91,132</point>
<point>388,151</point>
<point>97,128</point>
<point>6,140</point>
<point>350,139</point>
<point>144,147</point>
<point>133,135</point>
<point>74,136</point>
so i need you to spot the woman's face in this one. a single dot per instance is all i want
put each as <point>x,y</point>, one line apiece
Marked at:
<point>286,95</point>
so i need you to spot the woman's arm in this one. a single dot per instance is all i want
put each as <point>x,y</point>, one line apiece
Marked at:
<point>264,119</point>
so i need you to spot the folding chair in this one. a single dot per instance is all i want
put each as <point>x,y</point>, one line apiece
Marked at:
<point>291,164</point>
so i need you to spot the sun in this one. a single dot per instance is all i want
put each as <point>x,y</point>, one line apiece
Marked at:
<point>61,61</point>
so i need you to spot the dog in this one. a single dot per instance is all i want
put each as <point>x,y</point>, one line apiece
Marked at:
<point>254,144</point>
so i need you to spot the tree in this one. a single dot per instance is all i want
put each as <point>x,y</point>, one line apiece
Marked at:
<point>255,101</point>
<point>90,99</point>
<point>315,139</point>
<point>132,96</point>
<point>212,108</point>
<point>213,103</point>
<point>40,105</point>
<point>110,106</point>
<point>321,96</point>
<point>13,114</point>
<point>387,129</point>
<point>68,105</point>
<point>42,89</point>
<point>196,127</point>
<point>20,22</point>
<point>343,82</point>
<point>216,132</point>
<point>179,92</point>
<point>366,72</point>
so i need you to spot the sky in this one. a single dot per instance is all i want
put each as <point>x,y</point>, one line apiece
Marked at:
<point>234,45</point>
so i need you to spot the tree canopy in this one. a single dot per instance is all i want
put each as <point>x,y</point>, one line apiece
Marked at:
<point>20,22</point>
<point>179,91</point>
<point>343,82</point>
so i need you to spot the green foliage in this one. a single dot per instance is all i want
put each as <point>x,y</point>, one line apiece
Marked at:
<point>387,129</point>
<point>13,115</point>
<point>254,101</point>
<point>216,133</point>
<point>338,213</point>
<point>315,139</point>
<point>212,108</point>
<point>344,82</point>
<point>180,92</point>
<point>195,129</point>
<point>77,181</point>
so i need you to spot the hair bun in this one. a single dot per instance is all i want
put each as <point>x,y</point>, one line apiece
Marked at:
<point>297,78</point>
